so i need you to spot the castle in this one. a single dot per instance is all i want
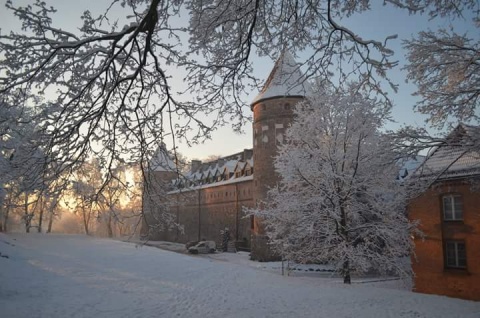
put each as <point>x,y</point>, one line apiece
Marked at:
<point>212,195</point>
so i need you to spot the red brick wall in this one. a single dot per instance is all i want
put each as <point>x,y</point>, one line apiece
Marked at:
<point>203,214</point>
<point>431,275</point>
<point>268,116</point>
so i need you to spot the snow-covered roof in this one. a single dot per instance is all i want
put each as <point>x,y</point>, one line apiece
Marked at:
<point>240,165</point>
<point>408,166</point>
<point>285,79</point>
<point>455,158</point>
<point>197,177</point>
<point>161,160</point>
<point>230,165</point>
<point>215,184</point>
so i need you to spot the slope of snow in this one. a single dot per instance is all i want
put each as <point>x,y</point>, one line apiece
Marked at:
<point>77,276</point>
<point>162,161</point>
<point>285,79</point>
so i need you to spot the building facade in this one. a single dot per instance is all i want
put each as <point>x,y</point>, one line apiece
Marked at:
<point>446,260</point>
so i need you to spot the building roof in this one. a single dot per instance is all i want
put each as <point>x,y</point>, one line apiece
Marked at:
<point>409,166</point>
<point>456,157</point>
<point>197,177</point>
<point>285,80</point>
<point>161,160</point>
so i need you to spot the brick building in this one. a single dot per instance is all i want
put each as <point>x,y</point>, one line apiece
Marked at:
<point>448,257</point>
<point>212,195</point>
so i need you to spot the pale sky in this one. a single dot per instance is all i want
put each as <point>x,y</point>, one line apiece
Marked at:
<point>376,24</point>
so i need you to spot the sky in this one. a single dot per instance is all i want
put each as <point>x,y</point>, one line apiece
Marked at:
<point>377,23</point>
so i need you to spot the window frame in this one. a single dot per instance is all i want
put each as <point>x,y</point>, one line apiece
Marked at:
<point>454,212</point>
<point>457,256</point>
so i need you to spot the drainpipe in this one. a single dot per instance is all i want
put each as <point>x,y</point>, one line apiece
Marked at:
<point>199,210</point>
<point>236,212</point>
<point>178,217</point>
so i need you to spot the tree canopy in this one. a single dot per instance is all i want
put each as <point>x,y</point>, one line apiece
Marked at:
<point>111,85</point>
<point>339,200</point>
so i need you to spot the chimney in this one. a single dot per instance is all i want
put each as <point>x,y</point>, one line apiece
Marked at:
<point>247,154</point>
<point>195,165</point>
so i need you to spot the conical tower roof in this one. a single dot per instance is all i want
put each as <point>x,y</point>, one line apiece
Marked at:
<point>161,160</point>
<point>285,80</point>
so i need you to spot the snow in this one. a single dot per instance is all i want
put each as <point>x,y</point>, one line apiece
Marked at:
<point>79,276</point>
<point>285,79</point>
<point>456,158</point>
<point>161,161</point>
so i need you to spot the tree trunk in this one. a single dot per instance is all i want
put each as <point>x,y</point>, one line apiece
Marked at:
<point>51,213</point>
<point>109,224</point>
<point>40,215</point>
<point>27,217</point>
<point>50,222</point>
<point>5,217</point>
<point>86,220</point>
<point>346,273</point>
<point>3,204</point>
<point>1,217</point>
<point>346,263</point>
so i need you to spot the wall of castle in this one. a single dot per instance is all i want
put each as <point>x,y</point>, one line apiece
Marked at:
<point>202,213</point>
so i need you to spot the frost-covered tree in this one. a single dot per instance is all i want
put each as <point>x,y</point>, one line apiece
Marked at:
<point>115,78</point>
<point>338,201</point>
<point>445,65</point>
<point>86,188</point>
<point>23,163</point>
<point>115,84</point>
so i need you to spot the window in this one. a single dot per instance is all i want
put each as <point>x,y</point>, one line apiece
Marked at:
<point>455,254</point>
<point>264,136</point>
<point>452,208</point>
<point>279,131</point>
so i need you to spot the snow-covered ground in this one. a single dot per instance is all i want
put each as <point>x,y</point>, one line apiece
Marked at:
<point>77,276</point>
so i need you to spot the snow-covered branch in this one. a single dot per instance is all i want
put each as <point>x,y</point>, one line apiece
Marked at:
<point>446,68</point>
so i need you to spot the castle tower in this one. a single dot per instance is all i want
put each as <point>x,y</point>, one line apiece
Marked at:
<point>272,114</point>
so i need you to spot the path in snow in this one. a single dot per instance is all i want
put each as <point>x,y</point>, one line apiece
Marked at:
<point>77,276</point>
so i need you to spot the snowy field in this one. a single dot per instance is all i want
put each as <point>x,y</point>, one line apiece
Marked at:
<point>77,276</point>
